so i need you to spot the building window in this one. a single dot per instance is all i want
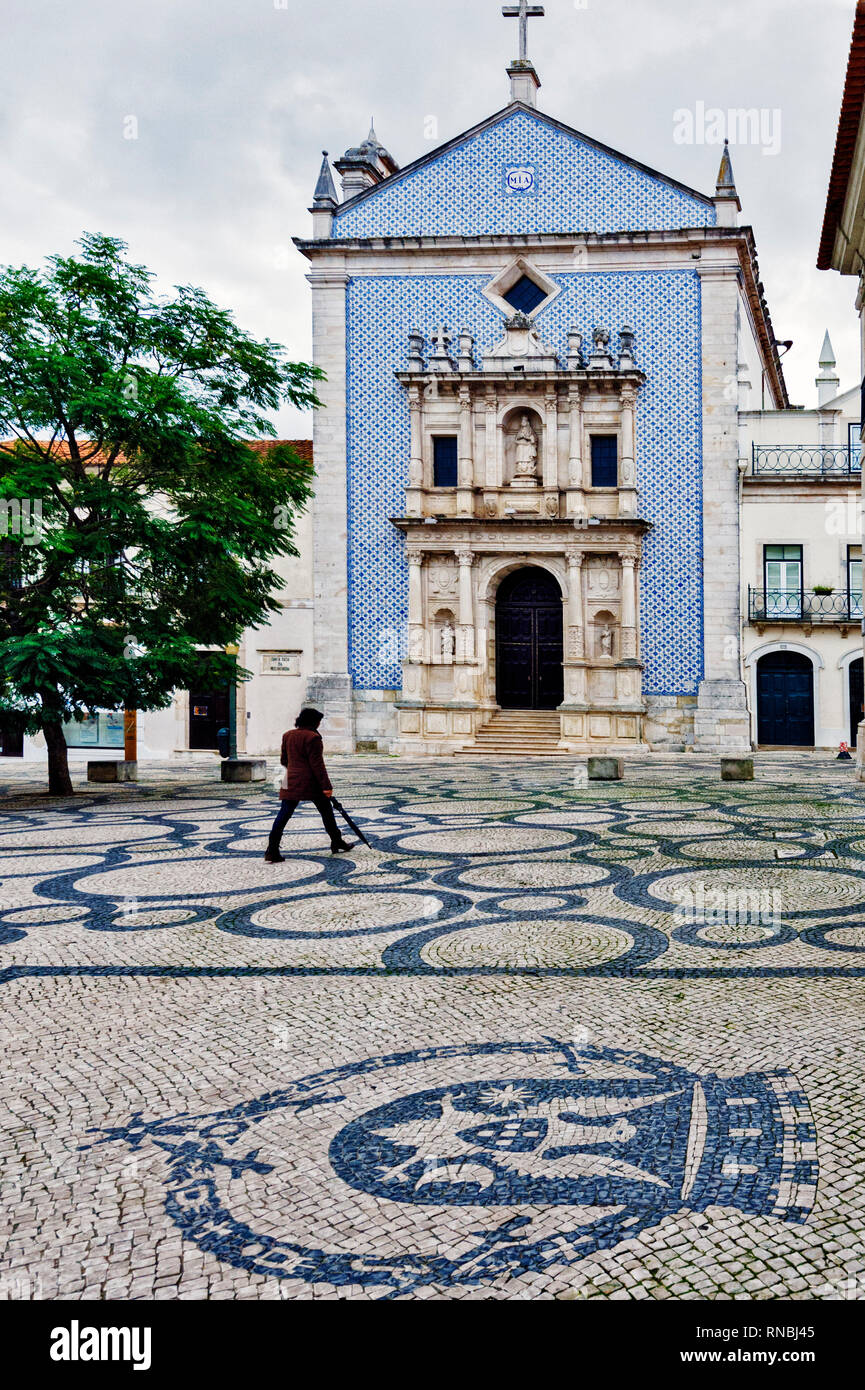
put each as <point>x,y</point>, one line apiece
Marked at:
<point>525,296</point>
<point>97,730</point>
<point>782,580</point>
<point>854,580</point>
<point>445,461</point>
<point>855,447</point>
<point>605,460</point>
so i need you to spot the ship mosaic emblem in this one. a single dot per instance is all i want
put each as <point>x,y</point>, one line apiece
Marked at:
<point>527,1156</point>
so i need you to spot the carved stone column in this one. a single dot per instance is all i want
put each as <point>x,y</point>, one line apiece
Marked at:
<point>492,479</point>
<point>465,494</point>
<point>551,455</point>
<point>576,495</point>
<point>628,478</point>
<point>576,642</point>
<point>416,629</point>
<point>629,607</point>
<point>466,635</point>
<point>414,495</point>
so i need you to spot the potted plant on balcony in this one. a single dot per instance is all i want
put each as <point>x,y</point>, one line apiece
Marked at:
<point>823,589</point>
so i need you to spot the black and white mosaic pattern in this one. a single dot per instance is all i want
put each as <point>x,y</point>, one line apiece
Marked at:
<point>542,1039</point>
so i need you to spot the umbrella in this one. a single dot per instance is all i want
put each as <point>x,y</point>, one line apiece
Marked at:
<point>338,806</point>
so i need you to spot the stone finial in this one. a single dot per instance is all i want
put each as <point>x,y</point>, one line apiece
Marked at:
<point>324,202</point>
<point>365,165</point>
<point>325,189</point>
<point>601,359</point>
<point>415,352</point>
<point>575,350</point>
<point>828,382</point>
<point>626,349</point>
<point>727,204</point>
<point>827,352</point>
<point>726,182</point>
<point>467,351</point>
<point>440,360</point>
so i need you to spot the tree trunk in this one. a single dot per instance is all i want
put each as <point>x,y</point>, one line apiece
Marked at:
<point>59,781</point>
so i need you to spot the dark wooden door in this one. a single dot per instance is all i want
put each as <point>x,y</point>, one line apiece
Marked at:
<point>785,700</point>
<point>529,641</point>
<point>857,699</point>
<point>208,713</point>
<point>11,738</point>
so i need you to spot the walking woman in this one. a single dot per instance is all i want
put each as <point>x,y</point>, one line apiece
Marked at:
<point>305,779</point>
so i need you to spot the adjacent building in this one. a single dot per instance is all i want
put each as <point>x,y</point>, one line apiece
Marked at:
<point>842,245</point>
<point>802,568</point>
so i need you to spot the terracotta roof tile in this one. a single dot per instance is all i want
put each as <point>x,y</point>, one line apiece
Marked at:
<point>852,107</point>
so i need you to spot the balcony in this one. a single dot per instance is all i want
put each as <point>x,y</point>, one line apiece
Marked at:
<point>800,461</point>
<point>809,610</point>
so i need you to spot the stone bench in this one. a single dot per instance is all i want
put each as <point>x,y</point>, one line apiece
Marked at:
<point>112,772</point>
<point>606,769</point>
<point>737,769</point>
<point>244,770</point>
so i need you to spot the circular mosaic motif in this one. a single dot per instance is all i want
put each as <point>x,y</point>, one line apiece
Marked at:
<point>542,942</point>
<point>497,839</point>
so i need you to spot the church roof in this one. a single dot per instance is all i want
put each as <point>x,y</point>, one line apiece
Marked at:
<point>583,166</point>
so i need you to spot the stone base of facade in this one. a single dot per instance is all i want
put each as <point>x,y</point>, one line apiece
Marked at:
<point>376,727</point>
<point>443,730</point>
<point>722,723</point>
<point>435,730</point>
<point>669,725</point>
<point>595,731</point>
<point>379,721</point>
<point>332,693</point>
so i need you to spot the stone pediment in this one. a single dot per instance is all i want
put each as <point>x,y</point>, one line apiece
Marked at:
<point>523,346</point>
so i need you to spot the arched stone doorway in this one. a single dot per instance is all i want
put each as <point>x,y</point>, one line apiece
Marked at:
<point>785,700</point>
<point>529,641</point>
<point>857,698</point>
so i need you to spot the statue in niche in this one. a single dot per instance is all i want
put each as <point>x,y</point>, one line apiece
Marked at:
<point>448,642</point>
<point>527,451</point>
<point>605,641</point>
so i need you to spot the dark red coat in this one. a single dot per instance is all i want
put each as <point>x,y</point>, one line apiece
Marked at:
<point>303,759</point>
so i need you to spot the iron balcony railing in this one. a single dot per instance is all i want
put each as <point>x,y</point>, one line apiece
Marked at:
<point>775,606</point>
<point>820,461</point>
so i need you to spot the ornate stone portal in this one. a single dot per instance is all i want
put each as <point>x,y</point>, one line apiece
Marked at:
<point>546,478</point>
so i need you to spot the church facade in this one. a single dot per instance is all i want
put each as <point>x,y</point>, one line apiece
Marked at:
<point>527,513</point>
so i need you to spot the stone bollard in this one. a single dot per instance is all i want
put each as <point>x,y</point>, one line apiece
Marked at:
<point>606,769</point>
<point>737,769</point>
<point>112,772</point>
<point>244,770</point>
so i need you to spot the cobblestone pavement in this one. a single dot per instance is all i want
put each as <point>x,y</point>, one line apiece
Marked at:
<point>540,1040</point>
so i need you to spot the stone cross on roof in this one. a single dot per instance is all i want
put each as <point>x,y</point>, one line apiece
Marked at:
<point>524,12</point>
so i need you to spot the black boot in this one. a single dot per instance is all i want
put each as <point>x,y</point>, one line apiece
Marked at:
<point>342,846</point>
<point>273,855</point>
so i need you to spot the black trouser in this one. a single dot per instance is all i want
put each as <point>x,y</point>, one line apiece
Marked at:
<point>287,810</point>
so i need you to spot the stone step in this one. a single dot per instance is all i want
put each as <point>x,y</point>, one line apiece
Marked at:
<point>518,733</point>
<point>490,751</point>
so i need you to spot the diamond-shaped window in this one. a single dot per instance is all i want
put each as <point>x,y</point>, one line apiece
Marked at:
<point>521,289</point>
<point>525,296</point>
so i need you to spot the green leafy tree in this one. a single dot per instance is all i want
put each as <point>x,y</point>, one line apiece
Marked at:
<point>138,524</point>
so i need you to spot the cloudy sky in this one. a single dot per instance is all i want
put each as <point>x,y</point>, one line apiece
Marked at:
<point>233,100</point>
